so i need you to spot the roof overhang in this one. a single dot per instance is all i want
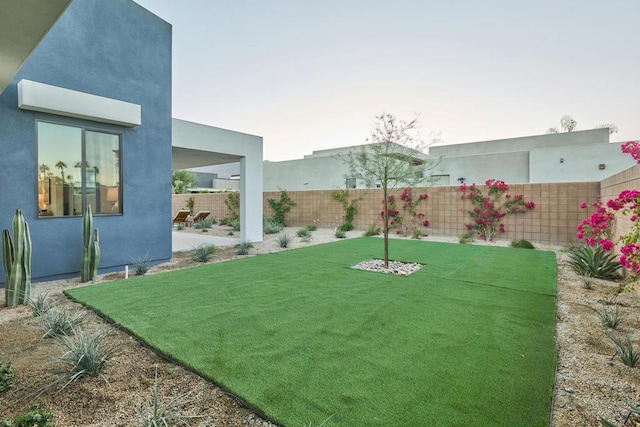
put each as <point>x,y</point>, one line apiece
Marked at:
<point>23,24</point>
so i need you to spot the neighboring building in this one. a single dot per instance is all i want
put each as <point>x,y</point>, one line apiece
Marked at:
<point>85,119</point>
<point>563,157</point>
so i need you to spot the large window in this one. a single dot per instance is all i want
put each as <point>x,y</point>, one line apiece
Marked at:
<point>78,167</point>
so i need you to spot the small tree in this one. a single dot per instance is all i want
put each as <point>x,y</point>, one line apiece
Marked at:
<point>181,180</point>
<point>394,157</point>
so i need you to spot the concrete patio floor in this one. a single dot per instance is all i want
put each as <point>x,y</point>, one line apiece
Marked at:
<point>188,241</point>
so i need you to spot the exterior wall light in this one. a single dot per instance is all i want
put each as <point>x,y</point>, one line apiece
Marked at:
<point>561,159</point>
<point>601,166</point>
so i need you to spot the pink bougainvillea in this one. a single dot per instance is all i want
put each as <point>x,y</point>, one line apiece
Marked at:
<point>597,228</point>
<point>489,209</point>
<point>406,221</point>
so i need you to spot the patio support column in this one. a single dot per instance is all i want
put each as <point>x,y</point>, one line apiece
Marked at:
<point>251,198</point>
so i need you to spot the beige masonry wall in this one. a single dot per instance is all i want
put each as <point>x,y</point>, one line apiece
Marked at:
<point>553,221</point>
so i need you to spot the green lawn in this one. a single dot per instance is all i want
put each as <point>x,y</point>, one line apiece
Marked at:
<point>466,341</point>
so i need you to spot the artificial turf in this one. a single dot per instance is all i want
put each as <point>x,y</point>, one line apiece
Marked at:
<point>467,340</point>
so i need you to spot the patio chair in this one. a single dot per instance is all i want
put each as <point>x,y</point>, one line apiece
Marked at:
<point>200,216</point>
<point>181,217</point>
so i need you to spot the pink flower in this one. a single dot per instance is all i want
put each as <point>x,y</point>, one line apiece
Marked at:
<point>530,205</point>
<point>583,205</point>
<point>424,196</point>
<point>607,245</point>
<point>426,223</point>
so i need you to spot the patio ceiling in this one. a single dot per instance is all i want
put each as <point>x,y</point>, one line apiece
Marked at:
<point>186,158</point>
<point>23,24</point>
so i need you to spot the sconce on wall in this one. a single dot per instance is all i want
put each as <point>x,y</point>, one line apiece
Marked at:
<point>461,179</point>
<point>561,159</point>
<point>601,166</point>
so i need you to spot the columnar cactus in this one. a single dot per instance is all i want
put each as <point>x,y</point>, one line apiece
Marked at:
<point>16,260</point>
<point>91,248</point>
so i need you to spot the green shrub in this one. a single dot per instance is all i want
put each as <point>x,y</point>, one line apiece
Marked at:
<point>180,227</point>
<point>40,305</point>
<point>340,234</point>
<point>521,243</point>
<point>281,207</point>
<point>303,232</point>
<point>242,248</point>
<point>347,226</point>
<point>208,222</point>
<point>141,265</point>
<point>57,322</point>
<point>311,227</point>
<point>373,230</point>
<point>629,354</point>
<point>271,227</point>
<point>6,376</point>
<point>594,262</point>
<point>34,418</point>
<point>610,315</point>
<point>416,234</point>
<point>235,224</point>
<point>283,239</point>
<point>204,252</point>
<point>467,237</point>
<point>587,282</point>
<point>85,354</point>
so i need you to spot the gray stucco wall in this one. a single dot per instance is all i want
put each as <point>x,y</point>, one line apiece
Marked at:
<point>114,49</point>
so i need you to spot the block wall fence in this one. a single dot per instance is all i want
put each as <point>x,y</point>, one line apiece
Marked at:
<point>553,221</point>
<point>610,188</point>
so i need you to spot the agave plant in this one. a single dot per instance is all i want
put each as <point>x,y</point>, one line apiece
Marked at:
<point>594,262</point>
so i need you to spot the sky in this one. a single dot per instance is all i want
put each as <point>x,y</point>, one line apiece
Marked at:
<point>311,75</point>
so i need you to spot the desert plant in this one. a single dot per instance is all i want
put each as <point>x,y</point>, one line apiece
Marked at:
<point>204,252</point>
<point>350,208</point>
<point>181,180</point>
<point>40,305</point>
<point>340,234</point>
<point>271,227</point>
<point>235,224</point>
<point>610,315</point>
<point>629,353</point>
<point>203,224</point>
<point>6,376</point>
<point>416,234</point>
<point>280,207</point>
<point>466,237</point>
<point>141,265</point>
<point>56,322</point>
<point>85,355</point>
<point>311,227</point>
<point>634,410</point>
<point>180,227</point>
<point>303,232</point>
<point>587,282</point>
<point>373,230</point>
<point>16,260</point>
<point>165,414</point>
<point>233,205</point>
<point>594,262</point>
<point>522,243</point>
<point>283,239</point>
<point>90,248</point>
<point>242,248</point>
<point>34,418</point>
<point>190,202</point>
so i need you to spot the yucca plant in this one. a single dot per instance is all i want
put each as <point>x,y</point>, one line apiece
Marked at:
<point>628,352</point>
<point>141,265</point>
<point>56,322</point>
<point>303,232</point>
<point>41,304</point>
<point>242,248</point>
<point>610,316</point>
<point>271,227</point>
<point>594,262</point>
<point>204,252</point>
<point>283,239</point>
<point>85,355</point>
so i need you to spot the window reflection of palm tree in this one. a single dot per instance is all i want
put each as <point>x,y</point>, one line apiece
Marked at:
<point>61,165</point>
<point>43,170</point>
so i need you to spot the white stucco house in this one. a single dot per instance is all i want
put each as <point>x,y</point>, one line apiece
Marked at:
<point>577,156</point>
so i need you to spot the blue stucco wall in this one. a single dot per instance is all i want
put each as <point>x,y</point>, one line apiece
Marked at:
<point>114,49</point>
